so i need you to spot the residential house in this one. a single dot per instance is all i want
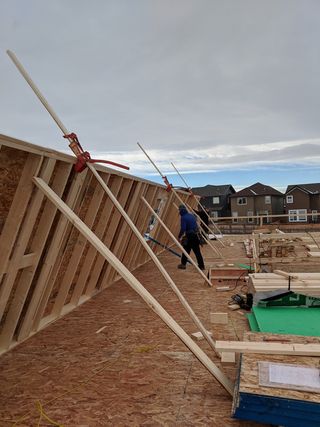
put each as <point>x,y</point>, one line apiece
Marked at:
<point>216,198</point>
<point>303,199</point>
<point>258,199</point>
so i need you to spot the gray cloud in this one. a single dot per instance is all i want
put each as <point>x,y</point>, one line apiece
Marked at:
<point>178,76</point>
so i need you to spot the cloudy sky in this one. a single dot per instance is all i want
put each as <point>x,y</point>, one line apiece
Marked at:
<point>227,90</point>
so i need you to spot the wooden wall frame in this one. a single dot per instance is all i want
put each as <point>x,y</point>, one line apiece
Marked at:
<point>46,267</point>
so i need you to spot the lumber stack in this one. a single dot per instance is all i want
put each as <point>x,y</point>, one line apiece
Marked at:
<point>281,247</point>
<point>305,283</point>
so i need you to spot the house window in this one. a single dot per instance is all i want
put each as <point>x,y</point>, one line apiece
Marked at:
<point>314,215</point>
<point>216,200</point>
<point>234,216</point>
<point>250,214</point>
<point>242,200</point>
<point>214,214</point>
<point>267,200</point>
<point>289,199</point>
<point>298,215</point>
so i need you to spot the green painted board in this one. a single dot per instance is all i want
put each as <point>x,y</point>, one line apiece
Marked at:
<point>288,320</point>
<point>252,322</point>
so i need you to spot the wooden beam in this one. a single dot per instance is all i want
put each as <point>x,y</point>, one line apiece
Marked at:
<point>133,257</point>
<point>45,281</point>
<point>268,348</point>
<point>124,233</point>
<point>176,241</point>
<point>137,286</point>
<point>43,220</point>
<point>15,215</point>
<point>79,247</point>
<point>22,241</point>
<point>89,265</point>
<point>111,228</point>
<point>197,200</point>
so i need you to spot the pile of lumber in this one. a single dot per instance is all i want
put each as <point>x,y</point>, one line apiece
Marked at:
<point>303,283</point>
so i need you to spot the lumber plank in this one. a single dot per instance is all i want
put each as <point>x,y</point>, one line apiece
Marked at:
<point>37,244</point>
<point>78,250</point>
<point>88,266</point>
<point>314,254</point>
<point>295,349</point>
<point>175,240</point>
<point>137,286</point>
<point>109,236</point>
<point>124,234</point>
<point>52,260</point>
<point>16,214</point>
<point>21,244</point>
<point>134,248</point>
<point>26,260</point>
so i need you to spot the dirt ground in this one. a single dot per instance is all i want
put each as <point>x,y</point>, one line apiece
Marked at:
<point>113,362</point>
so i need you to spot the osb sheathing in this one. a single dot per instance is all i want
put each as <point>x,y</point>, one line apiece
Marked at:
<point>46,267</point>
<point>113,362</point>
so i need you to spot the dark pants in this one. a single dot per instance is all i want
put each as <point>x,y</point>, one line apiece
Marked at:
<point>192,243</point>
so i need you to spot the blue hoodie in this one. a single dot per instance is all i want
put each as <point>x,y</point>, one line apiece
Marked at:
<point>188,223</point>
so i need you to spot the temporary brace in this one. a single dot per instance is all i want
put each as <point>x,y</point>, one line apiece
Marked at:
<point>83,157</point>
<point>121,269</point>
<point>164,246</point>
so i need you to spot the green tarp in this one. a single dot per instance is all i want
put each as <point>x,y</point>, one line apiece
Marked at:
<point>286,320</point>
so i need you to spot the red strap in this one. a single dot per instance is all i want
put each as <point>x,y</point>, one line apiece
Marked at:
<point>109,162</point>
<point>84,156</point>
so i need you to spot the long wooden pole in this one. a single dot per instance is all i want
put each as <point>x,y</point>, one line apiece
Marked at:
<point>205,238</point>
<point>111,196</point>
<point>199,204</point>
<point>135,285</point>
<point>36,90</point>
<point>171,189</point>
<point>176,241</point>
<point>93,170</point>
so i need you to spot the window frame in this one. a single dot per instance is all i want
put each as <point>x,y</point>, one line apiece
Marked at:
<point>267,198</point>
<point>291,198</point>
<point>242,198</point>
<point>298,215</point>
<point>215,197</point>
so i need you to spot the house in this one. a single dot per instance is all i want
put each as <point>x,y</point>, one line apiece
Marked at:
<point>216,198</point>
<point>303,199</point>
<point>258,199</point>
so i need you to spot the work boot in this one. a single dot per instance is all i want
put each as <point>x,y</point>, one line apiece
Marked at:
<point>182,266</point>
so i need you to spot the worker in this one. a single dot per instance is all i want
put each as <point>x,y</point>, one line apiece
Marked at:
<point>188,237</point>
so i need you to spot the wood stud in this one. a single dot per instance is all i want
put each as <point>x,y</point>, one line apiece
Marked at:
<point>40,281</point>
